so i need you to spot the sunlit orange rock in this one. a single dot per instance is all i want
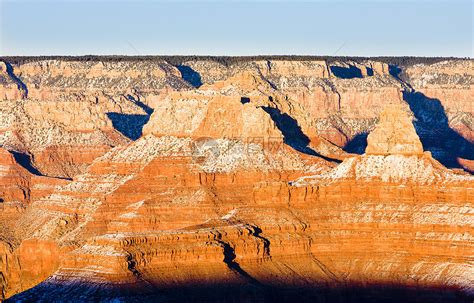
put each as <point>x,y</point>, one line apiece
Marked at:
<point>394,134</point>
<point>233,191</point>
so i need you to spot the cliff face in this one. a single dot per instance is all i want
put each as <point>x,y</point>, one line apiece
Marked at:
<point>66,114</point>
<point>256,181</point>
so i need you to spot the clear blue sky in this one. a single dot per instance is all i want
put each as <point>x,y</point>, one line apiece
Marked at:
<point>359,28</point>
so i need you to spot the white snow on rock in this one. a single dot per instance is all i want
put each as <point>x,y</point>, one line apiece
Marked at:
<point>391,168</point>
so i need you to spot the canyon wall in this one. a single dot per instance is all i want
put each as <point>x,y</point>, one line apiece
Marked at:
<point>266,180</point>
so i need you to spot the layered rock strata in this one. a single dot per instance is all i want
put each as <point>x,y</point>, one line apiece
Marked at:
<point>51,109</point>
<point>232,191</point>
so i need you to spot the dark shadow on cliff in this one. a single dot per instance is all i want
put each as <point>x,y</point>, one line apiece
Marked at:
<point>395,72</point>
<point>292,133</point>
<point>238,292</point>
<point>21,85</point>
<point>357,144</point>
<point>229,260</point>
<point>131,125</point>
<point>431,124</point>
<point>244,100</point>
<point>350,72</point>
<point>190,75</point>
<point>148,110</point>
<point>25,161</point>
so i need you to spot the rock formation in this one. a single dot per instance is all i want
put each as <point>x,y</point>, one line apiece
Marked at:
<point>134,181</point>
<point>63,106</point>
<point>394,134</point>
<point>441,100</point>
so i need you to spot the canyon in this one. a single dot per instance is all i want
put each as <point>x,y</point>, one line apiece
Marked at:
<point>265,179</point>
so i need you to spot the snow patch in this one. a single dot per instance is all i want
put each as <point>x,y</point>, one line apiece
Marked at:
<point>229,215</point>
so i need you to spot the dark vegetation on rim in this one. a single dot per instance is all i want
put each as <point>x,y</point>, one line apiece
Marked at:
<point>228,60</point>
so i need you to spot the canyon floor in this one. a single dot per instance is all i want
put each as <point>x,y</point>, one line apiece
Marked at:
<point>246,179</point>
